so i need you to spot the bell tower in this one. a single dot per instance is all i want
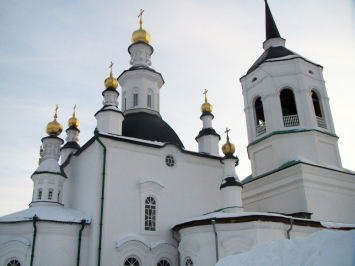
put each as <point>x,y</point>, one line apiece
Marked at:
<point>287,108</point>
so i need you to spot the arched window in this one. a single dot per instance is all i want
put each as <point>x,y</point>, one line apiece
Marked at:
<point>163,263</point>
<point>318,110</point>
<point>39,194</point>
<point>289,110</point>
<point>259,116</point>
<point>59,197</point>
<point>150,214</point>
<point>189,262</point>
<point>50,194</point>
<point>13,263</point>
<point>131,261</point>
<point>150,103</point>
<point>316,104</point>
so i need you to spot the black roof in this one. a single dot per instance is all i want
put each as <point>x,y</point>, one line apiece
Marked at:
<point>271,28</point>
<point>271,53</point>
<point>147,126</point>
<point>230,182</point>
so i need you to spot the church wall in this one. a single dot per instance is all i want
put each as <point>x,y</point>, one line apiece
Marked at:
<point>199,242</point>
<point>191,188</point>
<point>83,191</point>
<point>303,188</point>
<point>56,243</point>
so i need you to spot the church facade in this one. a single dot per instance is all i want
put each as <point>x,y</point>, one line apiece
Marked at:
<point>133,195</point>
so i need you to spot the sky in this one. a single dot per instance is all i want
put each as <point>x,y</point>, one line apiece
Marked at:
<point>59,52</point>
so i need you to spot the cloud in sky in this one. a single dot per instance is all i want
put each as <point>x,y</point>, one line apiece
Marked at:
<point>58,52</point>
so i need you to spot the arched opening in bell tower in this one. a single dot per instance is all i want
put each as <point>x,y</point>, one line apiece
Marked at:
<point>289,109</point>
<point>318,110</point>
<point>259,117</point>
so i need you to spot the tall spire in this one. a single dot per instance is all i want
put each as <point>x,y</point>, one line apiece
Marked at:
<point>271,28</point>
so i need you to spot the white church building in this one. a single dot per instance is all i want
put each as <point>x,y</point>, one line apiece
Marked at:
<point>133,195</point>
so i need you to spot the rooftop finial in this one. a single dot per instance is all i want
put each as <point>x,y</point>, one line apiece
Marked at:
<point>74,110</point>
<point>111,68</point>
<point>140,16</point>
<point>227,130</point>
<point>55,116</point>
<point>271,28</point>
<point>205,93</point>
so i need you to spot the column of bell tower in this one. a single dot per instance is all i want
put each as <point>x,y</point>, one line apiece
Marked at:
<point>140,84</point>
<point>207,138</point>
<point>287,108</point>
<point>109,117</point>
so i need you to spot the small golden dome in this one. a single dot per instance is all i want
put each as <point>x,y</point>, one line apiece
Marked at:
<point>228,148</point>
<point>111,81</point>
<point>206,107</point>
<point>140,35</point>
<point>54,128</point>
<point>73,121</point>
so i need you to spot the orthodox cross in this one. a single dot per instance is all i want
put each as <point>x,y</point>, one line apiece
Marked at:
<point>55,116</point>
<point>205,93</point>
<point>227,130</point>
<point>111,67</point>
<point>75,107</point>
<point>141,14</point>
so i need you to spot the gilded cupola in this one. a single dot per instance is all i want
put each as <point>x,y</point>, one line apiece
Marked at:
<point>111,82</point>
<point>140,35</point>
<point>54,128</point>
<point>206,107</point>
<point>73,121</point>
<point>228,148</point>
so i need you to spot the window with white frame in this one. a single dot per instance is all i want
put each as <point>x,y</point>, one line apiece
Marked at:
<point>131,261</point>
<point>150,214</point>
<point>39,194</point>
<point>13,263</point>
<point>163,263</point>
<point>50,194</point>
<point>135,99</point>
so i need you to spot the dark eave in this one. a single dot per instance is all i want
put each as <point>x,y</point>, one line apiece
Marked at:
<point>141,68</point>
<point>254,218</point>
<point>207,131</point>
<point>230,182</point>
<point>136,142</point>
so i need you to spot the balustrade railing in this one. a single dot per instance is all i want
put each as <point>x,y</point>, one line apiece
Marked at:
<point>260,129</point>
<point>291,121</point>
<point>321,122</point>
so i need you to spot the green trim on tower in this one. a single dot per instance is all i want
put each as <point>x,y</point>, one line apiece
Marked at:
<point>289,131</point>
<point>96,134</point>
<point>34,219</point>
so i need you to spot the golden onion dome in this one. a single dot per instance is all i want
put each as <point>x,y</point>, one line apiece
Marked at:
<point>54,128</point>
<point>140,35</point>
<point>111,82</point>
<point>228,148</point>
<point>73,121</point>
<point>206,107</point>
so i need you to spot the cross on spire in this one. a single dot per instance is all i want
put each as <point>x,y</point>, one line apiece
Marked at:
<point>205,93</point>
<point>227,130</point>
<point>111,68</point>
<point>141,14</point>
<point>55,116</point>
<point>75,107</point>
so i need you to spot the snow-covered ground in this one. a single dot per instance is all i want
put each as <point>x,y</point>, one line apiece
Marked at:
<point>326,248</point>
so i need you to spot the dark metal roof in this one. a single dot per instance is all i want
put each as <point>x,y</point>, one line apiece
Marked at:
<point>149,127</point>
<point>271,53</point>
<point>271,28</point>
<point>71,145</point>
<point>134,68</point>
<point>207,131</point>
<point>230,182</point>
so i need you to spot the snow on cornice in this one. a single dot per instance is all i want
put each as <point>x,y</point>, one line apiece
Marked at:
<point>47,213</point>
